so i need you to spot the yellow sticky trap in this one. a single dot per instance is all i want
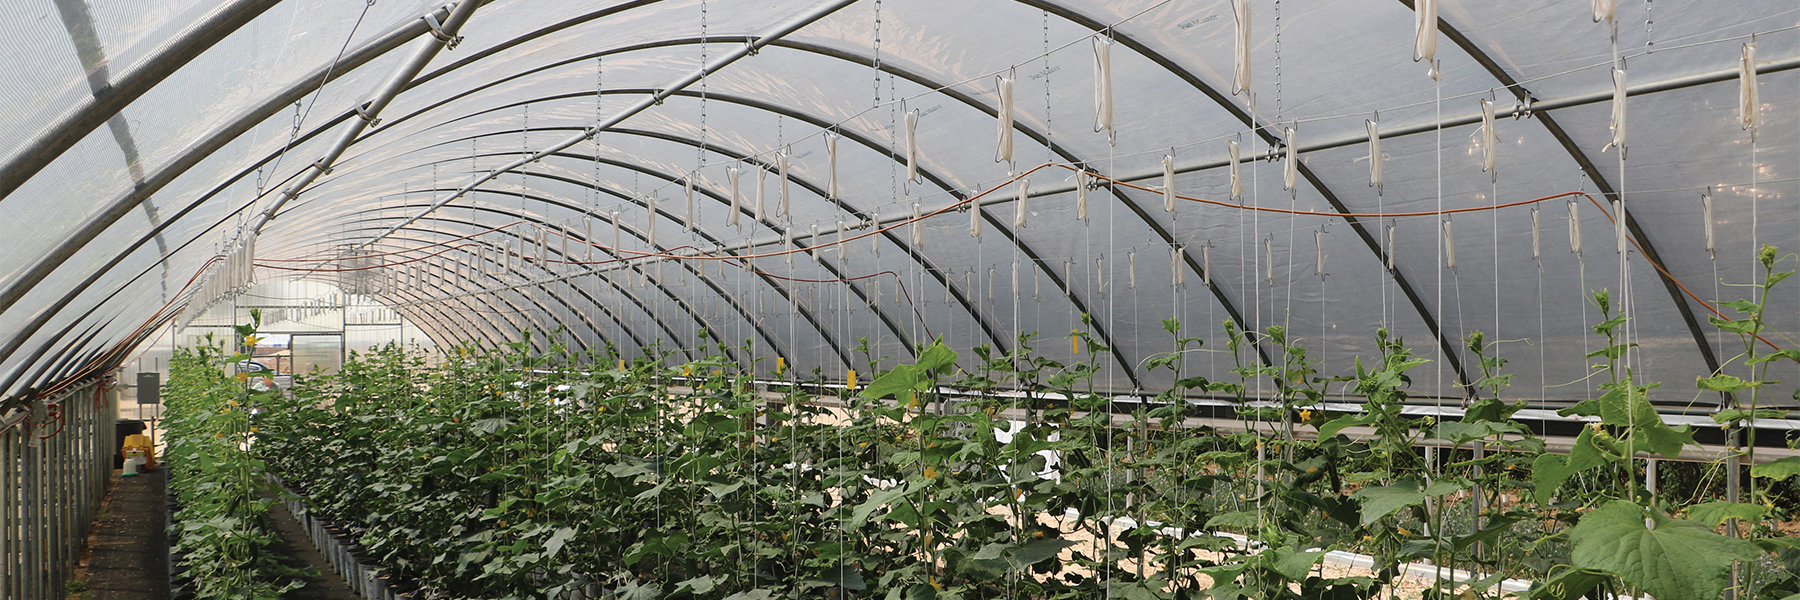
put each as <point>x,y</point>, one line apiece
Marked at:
<point>1075,341</point>
<point>852,379</point>
<point>621,364</point>
<point>780,364</point>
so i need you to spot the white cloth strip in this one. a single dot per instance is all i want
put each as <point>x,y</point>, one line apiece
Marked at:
<point>1081,195</point>
<point>1168,184</point>
<point>1425,30</point>
<point>1575,227</point>
<point>1290,173</point>
<point>1003,146</point>
<point>1103,96</point>
<point>786,199</point>
<point>1617,125</point>
<point>1374,155</point>
<point>1748,104</point>
<point>688,184</point>
<point>1024,193</point>
<point>732,175</point>
<point>831,154</point>
<point>912,146</point>
<point>1237,181</point>
<point>1449,246</point>
<point>1490,141</point>
<point>1706,213</point>
<point>1240,82</point>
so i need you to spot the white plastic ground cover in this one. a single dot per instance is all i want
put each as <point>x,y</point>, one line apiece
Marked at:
<point>525,76</point>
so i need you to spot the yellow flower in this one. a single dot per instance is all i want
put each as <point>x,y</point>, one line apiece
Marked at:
<point>231,402</point>
<point>1306,415</point>
<point>931,473</point>
<point>1403,531</point>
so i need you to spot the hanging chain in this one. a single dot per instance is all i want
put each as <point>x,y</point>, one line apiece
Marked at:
<point>600,87</point>
<point>1049,132</point>
<point>876,62</point>
<point>700,153</point>
<point>1278,60</point>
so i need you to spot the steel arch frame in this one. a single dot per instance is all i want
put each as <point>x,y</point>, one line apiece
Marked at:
<point>1587,166</point>
<point>1449,348</point>
<point>591,325</point>
<point>928,174</point>
<point>685,306</point>
<point>524,274</point>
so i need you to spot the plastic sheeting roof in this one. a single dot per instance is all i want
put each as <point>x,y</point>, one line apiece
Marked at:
<point>182,121</point>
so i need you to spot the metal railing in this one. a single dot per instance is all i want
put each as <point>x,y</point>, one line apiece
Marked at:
<point>55,460</point>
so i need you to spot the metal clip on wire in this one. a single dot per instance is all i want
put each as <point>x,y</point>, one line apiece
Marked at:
<point>1525,110</point>
<point>362,110</point>
<point>437,31</point>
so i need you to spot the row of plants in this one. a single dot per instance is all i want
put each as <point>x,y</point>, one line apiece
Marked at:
<point>221,524</point>
<point>500,473</point>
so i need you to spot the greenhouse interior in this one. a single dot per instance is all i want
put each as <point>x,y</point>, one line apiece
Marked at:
<point>900,299</point>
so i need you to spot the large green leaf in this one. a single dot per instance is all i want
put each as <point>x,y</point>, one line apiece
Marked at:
<point>1242,519</point>
<point>1549,471</point>
<point>1671,559</point>
<point>633,591</point>
<point>875,502</point>
<point>897,382</point>
<point>1036,552</point>
<point>1339,424</point>
<point>1570,584</point>
<point>1381,501</point>
<point>1720,383</point>
<point>555,544</point>
<point>1292,564</point>
<point>1663,439</point>
<point>1713,513</point>
<point>756,594</point>
<point>1460,433</point>
<point>698,585</point>
<point>848,577</point>
<point>936,357</point>
<point>1779,469</point>
<point>1618,407</point>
